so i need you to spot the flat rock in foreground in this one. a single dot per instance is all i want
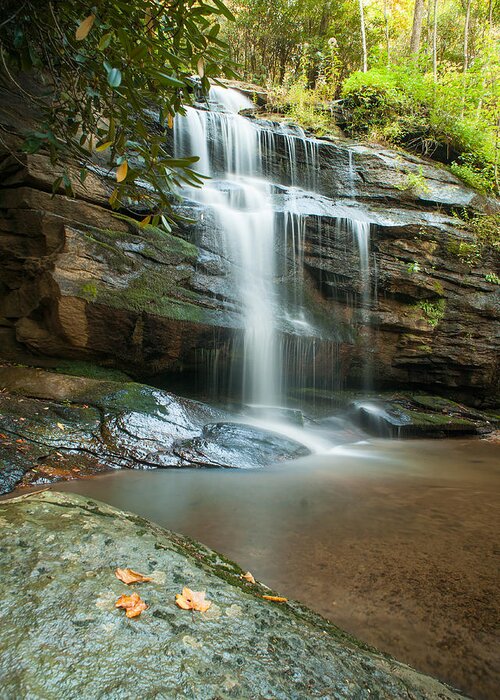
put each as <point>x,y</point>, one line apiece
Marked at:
<point>62,637</point>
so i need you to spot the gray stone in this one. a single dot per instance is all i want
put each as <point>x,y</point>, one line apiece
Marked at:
<point>63,637</point>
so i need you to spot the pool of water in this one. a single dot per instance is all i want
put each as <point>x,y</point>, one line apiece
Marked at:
<point>395,541</point>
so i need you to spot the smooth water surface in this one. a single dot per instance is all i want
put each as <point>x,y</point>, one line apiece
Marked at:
<point>394,541</point>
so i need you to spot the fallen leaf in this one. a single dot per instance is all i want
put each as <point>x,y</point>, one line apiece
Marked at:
<point>192,600</point>
<point>19,440</point>
<point>60,426</point>
<point>84,27</point>
<point>3,436</point>
<point>133,604</point>
<point>275,598</point>
<point>129,576</point>
<point>248,577</point>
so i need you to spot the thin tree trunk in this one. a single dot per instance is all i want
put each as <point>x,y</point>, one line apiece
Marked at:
<point>434,41</point>
<point>466,36</point>
<point>466,52</point>
<point>387,39</point>
<point>363,36</point>
<point>416,31</point>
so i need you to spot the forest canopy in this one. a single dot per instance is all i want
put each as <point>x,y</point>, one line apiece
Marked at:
<point>422,74</point>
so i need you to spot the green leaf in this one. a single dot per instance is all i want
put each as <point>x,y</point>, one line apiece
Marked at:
<point>224,10</point>
<point>169,79</point>
<point>105,41</point>
<point>114,77</point>
<point>103,146</point>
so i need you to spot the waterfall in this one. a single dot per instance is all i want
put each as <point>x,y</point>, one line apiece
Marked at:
<point>264,243</point>
<point>242,206</point>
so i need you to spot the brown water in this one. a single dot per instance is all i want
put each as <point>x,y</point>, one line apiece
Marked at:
<point>397,542</point>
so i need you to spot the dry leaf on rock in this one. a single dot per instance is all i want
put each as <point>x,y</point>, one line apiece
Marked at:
<point>133,604</point>
<point>129,576</point>
<point>248,577</point>
<point>192,600</point>
<point>275,598</point>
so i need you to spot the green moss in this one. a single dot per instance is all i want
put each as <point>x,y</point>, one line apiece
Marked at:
<point>78,368</point>
<point>89,291</point>
<point>151,288</point>
<point>438,288</point>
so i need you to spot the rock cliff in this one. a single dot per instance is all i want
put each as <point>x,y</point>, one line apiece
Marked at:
<point>76,282</point>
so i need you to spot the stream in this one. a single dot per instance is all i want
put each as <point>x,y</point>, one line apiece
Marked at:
<point>394,541</point>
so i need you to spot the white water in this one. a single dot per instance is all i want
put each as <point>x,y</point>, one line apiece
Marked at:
<point>235,153</point>
<point>243,209</point>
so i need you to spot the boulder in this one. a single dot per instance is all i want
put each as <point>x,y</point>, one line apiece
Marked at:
<point>58,557</point>
<point>55,426</point>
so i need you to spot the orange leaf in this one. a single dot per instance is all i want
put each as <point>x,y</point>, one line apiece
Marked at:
<point>275,598</point>
<point>129,576</point>
<point>248,577</point>
<point>192,600</point>
<point>121,171</point>
<point>84,27</point>
<point>170,121</point>
<point>133,604</point>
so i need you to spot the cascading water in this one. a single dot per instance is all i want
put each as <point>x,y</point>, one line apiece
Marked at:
<point>243,209</point>
<point>239,156</point>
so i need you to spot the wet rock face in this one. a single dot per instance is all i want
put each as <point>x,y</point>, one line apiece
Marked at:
<point>55,427</point>
<point>76,282</point>
<point>419,415</point>
<point>58,557</point>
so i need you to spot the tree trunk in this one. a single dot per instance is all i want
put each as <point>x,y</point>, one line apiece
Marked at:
<point>416,31</point>
<point>387,38</point>
<point>434,41</point>
<point>466,36</point>
<point>363,36</point>
<point>466,52</point>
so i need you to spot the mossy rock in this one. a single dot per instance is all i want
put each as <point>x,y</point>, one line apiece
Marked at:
<point>58,558</point>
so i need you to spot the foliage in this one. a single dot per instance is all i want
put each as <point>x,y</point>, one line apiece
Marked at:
<point>484,227</point>
<point>444,105</point>
<point>433,310</point>
<point>477,178</point>
<point>415,182</point>
<point>302,108</point>
<point>114,76</point>
<point>413,267</point>
<point>492,277</point>
<point>405,107</point>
